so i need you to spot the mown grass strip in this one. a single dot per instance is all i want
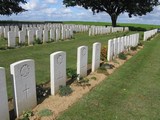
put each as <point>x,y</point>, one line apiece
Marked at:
<point>130,93</point>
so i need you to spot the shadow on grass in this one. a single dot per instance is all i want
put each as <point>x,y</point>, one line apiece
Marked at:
<point>132,28</point>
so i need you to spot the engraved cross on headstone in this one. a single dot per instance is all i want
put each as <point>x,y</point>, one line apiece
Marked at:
<point>26,90</point>
<point>59,62</point>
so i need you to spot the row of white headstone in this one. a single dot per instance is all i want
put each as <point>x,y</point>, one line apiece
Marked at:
<point>77,28</point>
<point>121,44</point>
<point>149,34</point>
<point>44,36</point>
<point>24,81</point>
<point>117,29</point>
<point>98,30</point>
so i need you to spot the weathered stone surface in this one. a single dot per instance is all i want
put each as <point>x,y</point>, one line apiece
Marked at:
<point>57,71</point>
<point>23,75</point>
<point>4,111</point>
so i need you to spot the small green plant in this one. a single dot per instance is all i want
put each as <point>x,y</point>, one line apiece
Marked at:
<point>42,92</point>
<point>134,48</point>
<point>45,112</point>
<point>3,38</point>
<point>104,53</point>
<point>26,115</point>
<point>38,41</point>
<point>65,90</point>
<point>48,41</point>
<point>106,66</point>
<point>115,61</point>
<point>140,44</point>
<point>82,82</point>
<point>129,53</point>
<point>71,73</point>
<point>93,78</point>
<point>3,47</point>
<point>103,70</point>
<point>22,44</point>
<point>122,56</point>
<point>10,47</point>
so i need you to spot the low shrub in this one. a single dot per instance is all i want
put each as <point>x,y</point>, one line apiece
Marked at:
<point>22,44</point>
<point>3,47</point>
<point>38,41</point>
<point>104,53</point>
<point>82,82</point>
<point>71,73</point>
<point>42,92</point>
<point>26,115</point>
<point>65,90</point>
<point>133,48</point>
<point>122,56</point>
<point>140,44</point>
<point>102,69</point>
<point>93,78</point>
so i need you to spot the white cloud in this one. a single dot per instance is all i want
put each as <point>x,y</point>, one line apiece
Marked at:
<point>51,1</point>
<point>55,10</point>
<point>66,11</point>
<point>31,5</point>
<point>50,10</point>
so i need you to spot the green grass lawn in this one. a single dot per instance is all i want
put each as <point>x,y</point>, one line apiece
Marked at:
<point>132,92</point>
<point>41,54</point>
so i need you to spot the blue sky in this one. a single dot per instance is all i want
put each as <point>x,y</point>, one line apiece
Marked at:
<point>54,10</point>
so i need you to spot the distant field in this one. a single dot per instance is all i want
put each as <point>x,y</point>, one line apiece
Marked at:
<point>133,27</point>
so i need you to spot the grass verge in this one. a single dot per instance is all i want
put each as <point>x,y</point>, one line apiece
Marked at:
<point>130,93</point>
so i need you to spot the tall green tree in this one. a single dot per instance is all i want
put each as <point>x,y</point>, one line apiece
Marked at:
<point>8,7</point>
<point>115,7</point>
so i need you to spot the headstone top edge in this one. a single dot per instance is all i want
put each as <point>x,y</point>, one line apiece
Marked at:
<point>58,52</point>
<point>21,61</point>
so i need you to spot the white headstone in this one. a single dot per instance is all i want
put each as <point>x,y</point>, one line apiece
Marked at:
<point>23,75</point>
<point>4,111</point>
<point>57,35</point>
<point>24,29</point>
<point>62,33</point>
<point>96,56</point>
<point>82,61</point>
<point>57,71</point>
<point>122,44</point>
<point>16,29</point>
<point>125,42</point>
<point>6,30</point>
<point>119,45</point>
<point>115,42</point>
<point>21,37</point>
<point>52,34</point>
<point>39,35</point>
<point>11,39</point>
<point>110,50</point>
<point>45,36</point>
<point>1,30</point>
<point>30,37</point>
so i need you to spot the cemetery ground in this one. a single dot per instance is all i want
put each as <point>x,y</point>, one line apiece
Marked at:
<point>130,93</point>
<point>40,53</point>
